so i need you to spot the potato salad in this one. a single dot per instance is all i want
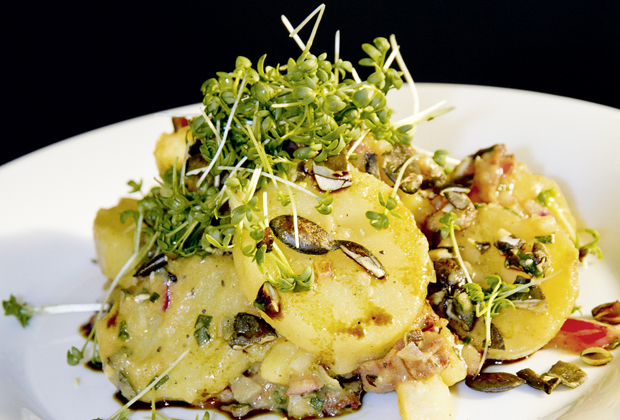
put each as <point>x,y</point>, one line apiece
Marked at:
<point>299,250</point>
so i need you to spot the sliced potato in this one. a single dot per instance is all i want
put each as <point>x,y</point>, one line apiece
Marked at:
<point>114,241</point>
<point>170,148</point>
<point>524,330</point>
<point>158,331</point>
<point>348,315</point>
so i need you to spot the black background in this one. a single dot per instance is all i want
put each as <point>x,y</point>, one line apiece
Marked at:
<point>70,67</point>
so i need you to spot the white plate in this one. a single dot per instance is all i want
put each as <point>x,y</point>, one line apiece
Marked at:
<point>50,197</point>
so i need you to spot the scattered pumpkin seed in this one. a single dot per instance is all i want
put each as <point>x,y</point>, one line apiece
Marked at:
<point>494,382</point>
<point>570,375</point>
<point>313,239</point>
<point>153,264</point>
<point>596,356</point>
<point>537,382</point>
<point>268,299</point>
<point>608,313</point>
<point>363,257</point>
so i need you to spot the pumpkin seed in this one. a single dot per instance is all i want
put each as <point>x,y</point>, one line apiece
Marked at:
<point>596,356</point>
<point>608,313</point>
<point>534,299</point>
<point>570,375</point>
<point>268,299</point>
<point>537,382</point>
<point>494,382</point>
<point>313,239</point>
<point>363,257</point>
<point>329,179</point>
<point>249,329</point>
<point>392,163</point>
<point>153,264</point>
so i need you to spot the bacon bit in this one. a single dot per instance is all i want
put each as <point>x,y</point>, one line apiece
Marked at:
<point>336,402</point>
<point>179,122</point>
<point>412,361</point>
<point>579,334</point>
<point>267,240</point>
<point>490,166</point>
<point>323,270</point>
<point>303,385</point>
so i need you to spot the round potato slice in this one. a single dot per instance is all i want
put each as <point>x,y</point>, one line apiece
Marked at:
<point>524,330</point>
<point>152,322</point>
<point>348,315</point>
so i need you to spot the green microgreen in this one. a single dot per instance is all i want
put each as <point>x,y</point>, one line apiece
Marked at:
<point>135,186</point>
<point>380,220</point>
<point>490,301</point>
<point>160,382</point>
<point>121,413</point>
<point>548,199</point>
<point>447,228</point>
<point>592,246</point>
<point>74,356</point>
<point>22,311</point>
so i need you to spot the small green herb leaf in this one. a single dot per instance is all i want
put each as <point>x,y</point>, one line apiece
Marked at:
<point>22,311</point>
<point>74,356</point>
<point>201,333</point>
<point>123,332</point>
<point>135,186</point>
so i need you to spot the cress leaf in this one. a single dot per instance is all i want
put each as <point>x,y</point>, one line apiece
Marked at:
<point>21,311</point>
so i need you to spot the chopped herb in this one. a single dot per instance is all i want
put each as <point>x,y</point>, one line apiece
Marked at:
<point>527,263</point>
<point>153,298</point>
<point>201,333</point>
<point>317,403</point>
<point>123,332</point>
<point>546,239</point>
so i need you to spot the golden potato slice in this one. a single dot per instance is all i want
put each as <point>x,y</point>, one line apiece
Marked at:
<point>170,148</point>
<point>524,330</point>
<point>143,334</point>
<point>114,241</point>
<point>348,315</point>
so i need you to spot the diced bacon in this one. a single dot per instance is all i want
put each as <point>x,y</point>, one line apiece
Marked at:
<point>489,168</point>
<point>414,361</point>
<point>303,385</point>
